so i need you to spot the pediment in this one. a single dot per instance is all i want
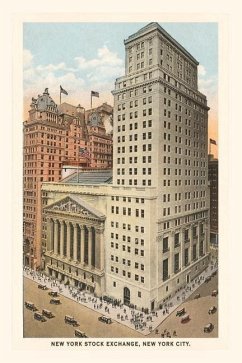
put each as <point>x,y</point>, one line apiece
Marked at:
<point>75,205</point>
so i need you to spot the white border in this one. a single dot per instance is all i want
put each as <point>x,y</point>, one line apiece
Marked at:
<point>228,345</point>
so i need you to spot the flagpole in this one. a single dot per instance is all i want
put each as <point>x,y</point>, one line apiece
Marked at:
<point>91,100</point>
<point>60,96</point>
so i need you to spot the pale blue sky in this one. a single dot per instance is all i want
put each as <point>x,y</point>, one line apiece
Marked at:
<point>57,42</point>
<point>89,56</point>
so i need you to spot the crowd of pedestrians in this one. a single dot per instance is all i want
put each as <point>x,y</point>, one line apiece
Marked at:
<point>144,321</point>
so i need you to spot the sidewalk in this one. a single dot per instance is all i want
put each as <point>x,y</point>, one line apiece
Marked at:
<point>134,319</point>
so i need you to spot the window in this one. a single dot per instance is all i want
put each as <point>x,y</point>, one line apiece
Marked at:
<point>165,244</point>
<point>186,257</point>
<point>176,240</point>
<point>176,262</point>
<point>194,252</point>
<point>165,269</point>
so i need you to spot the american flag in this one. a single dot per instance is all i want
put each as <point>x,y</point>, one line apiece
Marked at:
<point>84,152</point>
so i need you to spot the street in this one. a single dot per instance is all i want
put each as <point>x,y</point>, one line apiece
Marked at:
<point>88,319</point>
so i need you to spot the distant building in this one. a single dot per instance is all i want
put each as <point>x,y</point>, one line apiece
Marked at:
<point>213,180</point>
<point>100,142</point>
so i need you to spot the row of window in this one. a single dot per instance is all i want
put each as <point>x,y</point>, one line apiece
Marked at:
<point>135,92</point>
<point>134,137</point>
<point>128,249</point>
<point>134,148</point>
<point>134,182</point>
<point>136,265</point>
<point>127,211</point>
<point>176,260</point>
<point>128,274</point>
<point>140,229</point>
<point>135,126</point>
<point>185,208</point>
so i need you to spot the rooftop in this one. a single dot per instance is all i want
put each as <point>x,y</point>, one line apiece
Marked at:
<point>155,26</point>
<point>101,176</point>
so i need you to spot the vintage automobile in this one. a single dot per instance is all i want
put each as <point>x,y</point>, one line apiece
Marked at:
<point>55,301</point>
<point>29,305</point>
<point>214,293</point>
<point>105,319</point>
<point>208,328</point>
<point>80,334</point>
<point>70,320</point>
<point>185,318</point>
<point>48,313</point>
<point>53,293</point>
<point>197,296</point>
<point>43,287</point>
<point>180,312</point>
<point>214,273</point>
<point>39,316</point>
<point>212,310</point>
<point>207,279</point>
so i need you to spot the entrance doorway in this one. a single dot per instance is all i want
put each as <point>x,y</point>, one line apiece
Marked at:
<point>188,279</point>
<point>126,296</point>
<point>152,305</point>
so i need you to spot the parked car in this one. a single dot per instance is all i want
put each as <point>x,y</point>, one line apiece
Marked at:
<point>70,320</point>
<point>208,328</point>
<point>53,293</point>
<point>180,312</point>
<point>214,273</point>
<point>48,313</point>
<point>40,317</point>
<point>197,296</point>
<point>80,334</point>
<point>105,319</point>
<point>55,301</point>
<point>185,318</point>
<point>212,310</point>
<point>207,279</point>
<point>214,293</point>
<point>43,287</point>
<point>29,305</point>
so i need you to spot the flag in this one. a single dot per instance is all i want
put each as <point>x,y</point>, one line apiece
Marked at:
<point>84,152</point>
<point>62,90</point>
<point>94,94</point>
<point>212,142</point>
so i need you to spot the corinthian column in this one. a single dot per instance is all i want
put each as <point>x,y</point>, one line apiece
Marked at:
<point>68,243</point>
<point>89,247</point>
<point>62,238</point>
<point>75,243</point>
<point>56,236</point>
<point>82,243</point>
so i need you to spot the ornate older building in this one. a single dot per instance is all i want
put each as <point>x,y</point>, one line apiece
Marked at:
<point>50,137</point>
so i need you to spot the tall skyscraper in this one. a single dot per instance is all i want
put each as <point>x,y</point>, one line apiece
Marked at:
<point>160,146</point>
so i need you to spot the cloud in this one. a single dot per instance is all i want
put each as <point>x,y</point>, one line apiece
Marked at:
<point>98,74</point>
<point>201,70</point>
<point>104,58</point>
<point>27,58</point>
